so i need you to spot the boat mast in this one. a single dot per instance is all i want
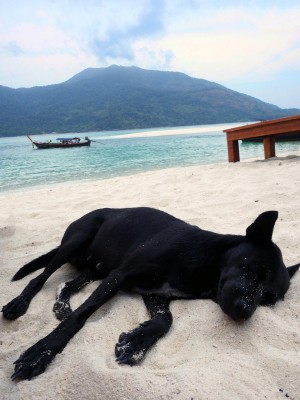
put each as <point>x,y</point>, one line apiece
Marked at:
<point>31,141</point>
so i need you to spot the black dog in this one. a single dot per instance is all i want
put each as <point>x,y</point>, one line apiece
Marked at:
<point>161,257</point>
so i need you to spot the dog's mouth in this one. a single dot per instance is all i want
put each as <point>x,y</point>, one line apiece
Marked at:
<point>240,314</point>
<point>238,309</point>
<point>235,302</point>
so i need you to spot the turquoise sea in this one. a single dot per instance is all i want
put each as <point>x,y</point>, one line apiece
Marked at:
<point>118,153</point>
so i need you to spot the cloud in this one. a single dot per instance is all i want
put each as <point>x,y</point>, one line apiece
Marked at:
<point>118,40</point>
<point>39,54</point>
<point>232,43</point>
<point>12,48</point>
<point>227,42</point>
<point>38,39</point>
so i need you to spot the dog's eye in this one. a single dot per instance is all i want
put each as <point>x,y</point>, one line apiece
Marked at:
<point>262,272</point>
<point>256,275</point>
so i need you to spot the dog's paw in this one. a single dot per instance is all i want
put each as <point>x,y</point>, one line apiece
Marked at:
<point>15,308</point>
<point>33,362</point>
<point>132,346</point>
<point>62,310</point>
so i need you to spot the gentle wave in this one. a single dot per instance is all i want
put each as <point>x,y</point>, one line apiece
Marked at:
<point>117,153</point>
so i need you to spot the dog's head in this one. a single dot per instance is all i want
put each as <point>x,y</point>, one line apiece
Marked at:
<point>253,273</point>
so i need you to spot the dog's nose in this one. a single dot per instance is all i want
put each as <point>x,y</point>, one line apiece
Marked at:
<point>243,309</point>
<point>241,305</point>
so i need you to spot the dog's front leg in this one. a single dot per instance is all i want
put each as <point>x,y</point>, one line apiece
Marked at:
<point>34,361</point>
<point>132,346</point>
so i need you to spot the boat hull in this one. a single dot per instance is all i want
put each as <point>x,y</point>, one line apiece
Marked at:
<point>42,146</point>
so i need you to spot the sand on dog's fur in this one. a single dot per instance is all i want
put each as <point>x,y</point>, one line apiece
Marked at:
<point>205,355</point>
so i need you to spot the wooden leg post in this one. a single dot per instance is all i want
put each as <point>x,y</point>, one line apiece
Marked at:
<point>233,150</point>
<point>269,146</point>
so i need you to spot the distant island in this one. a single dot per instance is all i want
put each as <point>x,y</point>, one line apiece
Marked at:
<point>117,97</point>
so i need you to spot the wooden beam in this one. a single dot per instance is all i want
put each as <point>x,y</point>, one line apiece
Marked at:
<point>233,150</point>
<point>269,146</point>
<point>275,127</point>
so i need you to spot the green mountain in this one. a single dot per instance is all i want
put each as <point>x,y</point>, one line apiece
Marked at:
<point>126,98</point>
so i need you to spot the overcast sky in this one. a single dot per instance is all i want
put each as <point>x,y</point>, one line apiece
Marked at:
<point>249,46</point>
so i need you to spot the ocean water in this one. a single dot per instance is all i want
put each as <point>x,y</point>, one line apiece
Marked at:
<point>118,153</point>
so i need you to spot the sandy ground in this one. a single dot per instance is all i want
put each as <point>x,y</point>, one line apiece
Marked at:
<point>205,355</point>
<point>178,131</point>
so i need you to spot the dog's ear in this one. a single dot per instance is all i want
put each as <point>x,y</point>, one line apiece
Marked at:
<point>292,270</point>
<point>261,230</point>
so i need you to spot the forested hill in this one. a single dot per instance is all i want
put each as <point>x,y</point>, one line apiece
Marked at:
<point>126,98</point>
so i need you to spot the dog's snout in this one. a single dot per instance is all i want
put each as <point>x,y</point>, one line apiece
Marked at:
<point>242,310</point>
<point>241,305</point>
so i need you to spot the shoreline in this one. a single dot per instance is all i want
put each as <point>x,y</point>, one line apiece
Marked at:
<point>157,131</point>
<point>282,156</point>
<point>176,131</point>
<point>205,355</point>
<point>95,180</point>
<point>23,167</point>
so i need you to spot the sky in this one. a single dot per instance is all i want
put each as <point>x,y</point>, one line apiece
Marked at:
<point>252,47</point>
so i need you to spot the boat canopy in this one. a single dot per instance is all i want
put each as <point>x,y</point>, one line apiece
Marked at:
<point>67,139</point>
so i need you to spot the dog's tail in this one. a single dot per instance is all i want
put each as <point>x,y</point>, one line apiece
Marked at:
<point>35,264</point>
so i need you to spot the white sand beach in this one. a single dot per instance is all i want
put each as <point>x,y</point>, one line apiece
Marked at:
<point>176,131</point>
<point>205,355</point>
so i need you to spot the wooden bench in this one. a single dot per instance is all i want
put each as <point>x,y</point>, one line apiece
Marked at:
<point>267,131</point>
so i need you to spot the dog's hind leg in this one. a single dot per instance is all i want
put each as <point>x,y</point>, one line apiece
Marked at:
<point>132,346</point>
<point>62,308</point>
<point>35,360</point>
<point>19,305</point>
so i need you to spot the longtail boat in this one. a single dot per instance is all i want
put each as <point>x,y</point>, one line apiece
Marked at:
<point>60,143</point>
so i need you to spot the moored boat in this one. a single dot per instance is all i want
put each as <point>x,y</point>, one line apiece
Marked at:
<point>60,143</point>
